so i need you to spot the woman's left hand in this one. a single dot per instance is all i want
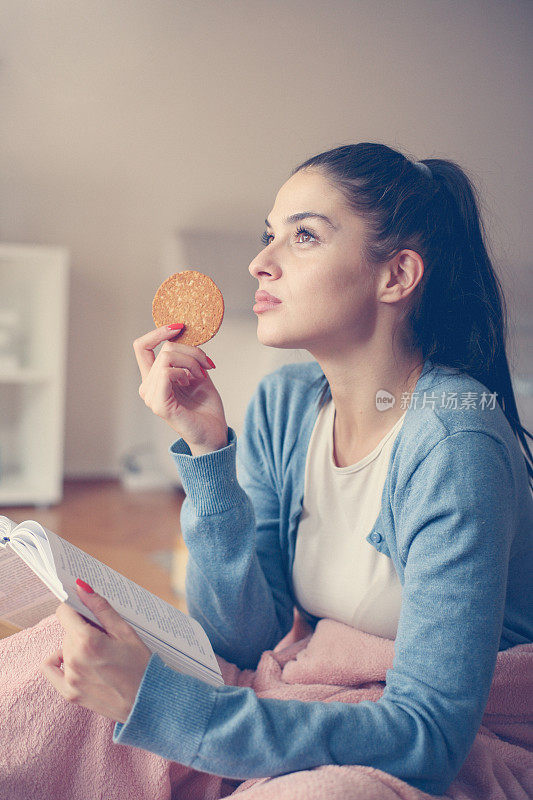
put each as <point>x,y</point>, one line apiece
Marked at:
<point>95,669</point>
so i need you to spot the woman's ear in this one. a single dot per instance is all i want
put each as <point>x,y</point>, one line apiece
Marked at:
<point>401,275</point>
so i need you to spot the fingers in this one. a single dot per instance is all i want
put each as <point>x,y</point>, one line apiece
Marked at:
<point>70,619</point>
<point>105,613</point>
<point>55,659</point>
<point>145,345</point>
<point>51,668</point>
<point>171,358</point>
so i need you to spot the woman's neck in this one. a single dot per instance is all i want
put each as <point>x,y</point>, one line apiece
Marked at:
<point>367,395</point>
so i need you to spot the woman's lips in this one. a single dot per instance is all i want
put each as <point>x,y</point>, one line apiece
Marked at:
<point>264,301</point>
<point>265,305</point>
<point>262,294</point>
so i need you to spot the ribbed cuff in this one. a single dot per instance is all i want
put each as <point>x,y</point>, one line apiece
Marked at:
<point>170,713</point>
<point>209,480</point>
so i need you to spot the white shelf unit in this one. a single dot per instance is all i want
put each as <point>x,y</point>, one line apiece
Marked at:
<point>34,283</point>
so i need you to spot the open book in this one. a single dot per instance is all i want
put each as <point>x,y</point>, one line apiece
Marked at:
<point>38,568</point>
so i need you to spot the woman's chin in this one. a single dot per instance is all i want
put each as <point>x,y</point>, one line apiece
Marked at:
<point>276,334</point>
<point>276,339</point>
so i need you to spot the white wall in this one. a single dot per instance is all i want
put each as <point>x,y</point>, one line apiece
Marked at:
<point>123,120</point>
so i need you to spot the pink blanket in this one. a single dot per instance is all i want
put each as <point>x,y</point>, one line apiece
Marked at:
<point>51,748</point>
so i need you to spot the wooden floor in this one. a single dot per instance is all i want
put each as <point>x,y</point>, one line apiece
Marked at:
<point>124,529</point>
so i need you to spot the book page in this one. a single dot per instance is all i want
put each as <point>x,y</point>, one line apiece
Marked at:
<point>24,599</point>
<point>6,526</point>
<point>155,621</point>
<point>30,543</point>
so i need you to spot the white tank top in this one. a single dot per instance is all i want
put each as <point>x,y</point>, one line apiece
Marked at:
<point>336,572</point>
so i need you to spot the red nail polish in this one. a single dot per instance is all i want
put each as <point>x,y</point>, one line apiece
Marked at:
<point>203,371</point>
<point>210,362</point>
<point>177,326</point>
<point>84,586</point>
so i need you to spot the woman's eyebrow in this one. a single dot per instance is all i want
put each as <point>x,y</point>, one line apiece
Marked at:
<point>304,215</point>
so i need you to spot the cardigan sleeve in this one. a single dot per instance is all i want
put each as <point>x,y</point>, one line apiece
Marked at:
<point>456,524</point>
<point>236,585</point>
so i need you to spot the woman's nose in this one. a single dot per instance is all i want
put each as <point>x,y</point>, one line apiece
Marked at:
<point>263,262</point>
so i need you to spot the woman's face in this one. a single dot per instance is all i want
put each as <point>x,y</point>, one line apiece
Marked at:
<point>315,268</point>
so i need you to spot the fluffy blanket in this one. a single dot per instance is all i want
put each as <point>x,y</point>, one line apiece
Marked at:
<point>51,748</point>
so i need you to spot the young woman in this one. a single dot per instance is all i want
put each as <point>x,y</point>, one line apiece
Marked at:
<point>381,484</point>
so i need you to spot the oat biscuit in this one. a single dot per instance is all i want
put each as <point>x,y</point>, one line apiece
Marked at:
<point>194,299</point>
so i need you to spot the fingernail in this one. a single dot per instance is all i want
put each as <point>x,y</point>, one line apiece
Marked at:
<point>84,586</point>
<point>203,370</point>
<point>177,326</point>
<point>210,362</point>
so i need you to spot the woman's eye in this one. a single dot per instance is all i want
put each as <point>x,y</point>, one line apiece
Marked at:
<point>266,237</point>
<point>305,232</point>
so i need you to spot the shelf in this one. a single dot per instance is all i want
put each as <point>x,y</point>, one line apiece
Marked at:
<point>34,281</point>
<point>18,490</point>
<point>24,375</point>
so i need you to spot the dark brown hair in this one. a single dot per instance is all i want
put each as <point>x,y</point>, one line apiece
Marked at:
<point>458,315</point>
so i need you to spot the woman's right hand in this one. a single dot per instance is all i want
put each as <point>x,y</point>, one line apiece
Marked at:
<point>175,389</point>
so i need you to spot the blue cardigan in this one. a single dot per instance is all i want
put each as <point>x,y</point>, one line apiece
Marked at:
<point>457,520</point>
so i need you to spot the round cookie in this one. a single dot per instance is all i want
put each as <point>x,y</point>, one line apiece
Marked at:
<point>192,298</point>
